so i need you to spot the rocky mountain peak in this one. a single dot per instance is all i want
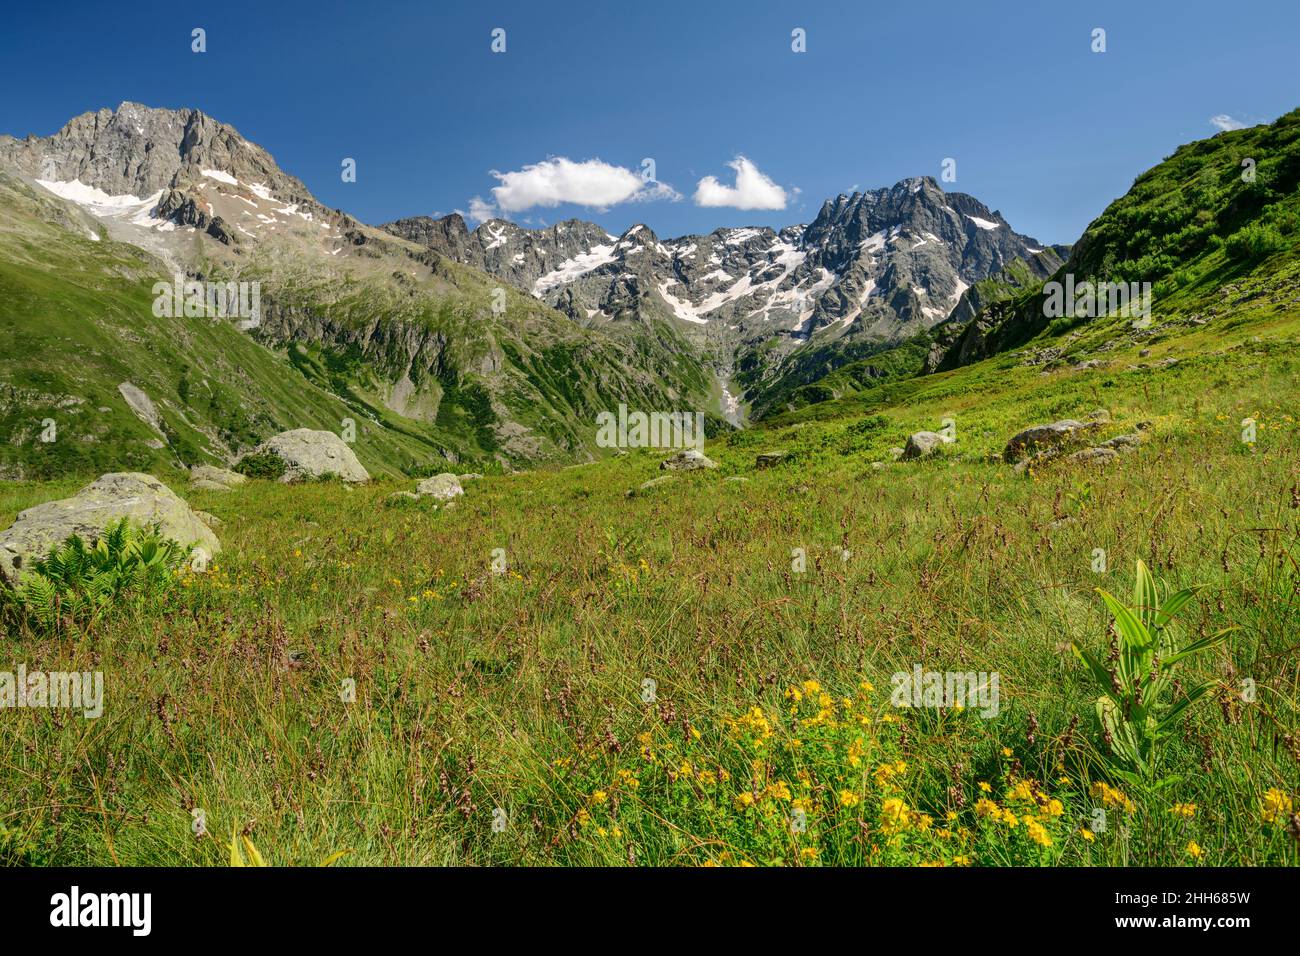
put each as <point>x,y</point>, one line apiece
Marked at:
<point>137,150</point>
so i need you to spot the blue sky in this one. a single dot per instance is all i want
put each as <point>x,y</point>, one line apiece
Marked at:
<point>1041,127</point>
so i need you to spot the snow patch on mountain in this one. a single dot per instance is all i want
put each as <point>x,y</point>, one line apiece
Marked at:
<point>571,269</point>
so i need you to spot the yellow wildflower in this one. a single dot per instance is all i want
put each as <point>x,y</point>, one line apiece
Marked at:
<point>1037,832</point>
<point>1274,805</point>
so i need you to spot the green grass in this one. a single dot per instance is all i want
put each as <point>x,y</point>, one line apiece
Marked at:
<point>524,691</point>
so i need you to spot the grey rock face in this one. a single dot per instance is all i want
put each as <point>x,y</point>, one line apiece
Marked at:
<point>961,338</point>
<point>887,261</point>
<point>140,404</point>
<point>444,487</point>
<point>922,445</point>
<point>770,458</point>
<point>205,484</point>
<point>688,460</point>
<point>142,499</point>
<point>211,520</point>
<point>314,454</point>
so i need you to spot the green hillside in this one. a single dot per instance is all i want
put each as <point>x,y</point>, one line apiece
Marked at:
<point>510,388</point>
<point>1217,211</point>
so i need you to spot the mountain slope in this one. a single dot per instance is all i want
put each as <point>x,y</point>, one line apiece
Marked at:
<point>434,356</point>
<point>770,310</point>
<point>1217,211</point>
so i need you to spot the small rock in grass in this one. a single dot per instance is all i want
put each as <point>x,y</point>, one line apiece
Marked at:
<point>650,485</point>
<point>922,445</point>
<point>688,460</point>
<point>1094,456</point>
<point>444,487</point>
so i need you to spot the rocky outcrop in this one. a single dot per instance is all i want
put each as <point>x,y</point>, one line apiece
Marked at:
<point>1123,443</point>
<point>140,498</point>
<point>1050,439</point>
<point>141,405</point>
<point>1093,456</point>
<point>309,454</point>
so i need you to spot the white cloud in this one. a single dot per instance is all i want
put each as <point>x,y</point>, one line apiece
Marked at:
<point>1226,122</point>
<point>591,183</point>
<point>753,190</point>
<point>480,210</point>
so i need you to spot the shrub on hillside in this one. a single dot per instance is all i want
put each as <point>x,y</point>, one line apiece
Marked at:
<point>262,464</point>
<point>1255,241</point>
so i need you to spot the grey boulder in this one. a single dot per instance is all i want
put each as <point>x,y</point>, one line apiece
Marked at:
<point>308,453</point>
<point>444,487</point>
<point>140,498</point>
<point>922,445</point>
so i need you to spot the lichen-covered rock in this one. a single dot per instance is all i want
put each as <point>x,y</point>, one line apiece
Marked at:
<point>140,498</point>
<point>444,487</point>
<point>688,460</point>
<point>203,484</point>
<point>308,453</point>
<point>769,458</point>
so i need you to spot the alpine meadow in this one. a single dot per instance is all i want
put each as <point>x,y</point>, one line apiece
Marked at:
<point>663,512</point>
